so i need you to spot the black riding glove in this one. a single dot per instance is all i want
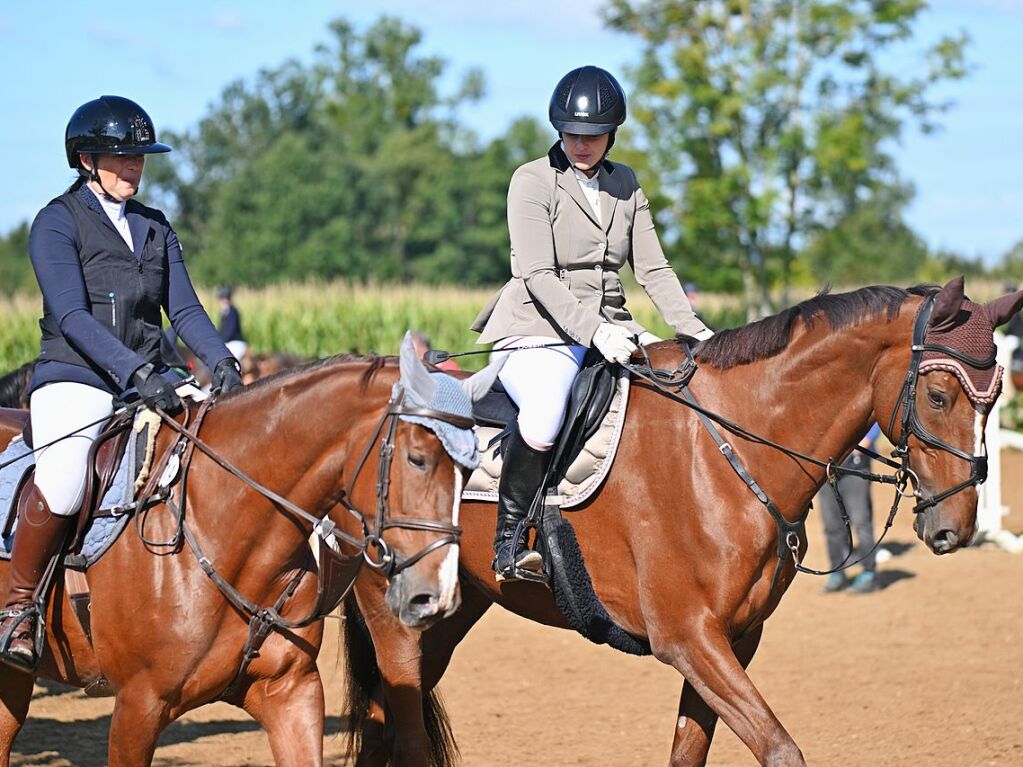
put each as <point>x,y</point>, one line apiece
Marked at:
<point>155,391</point>
<point>228,376</point>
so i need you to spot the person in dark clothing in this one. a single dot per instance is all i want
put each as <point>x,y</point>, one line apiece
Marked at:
<point>106,266</point>
<point>231,323</point>
<point>856,497</point>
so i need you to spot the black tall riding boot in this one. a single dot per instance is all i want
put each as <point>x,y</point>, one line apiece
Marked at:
<point>39,536</point>
<point>522,473</point>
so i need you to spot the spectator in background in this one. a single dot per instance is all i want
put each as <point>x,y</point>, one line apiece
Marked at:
<point>231,324</point>
<point>421,343</point>
<point>856,496</point>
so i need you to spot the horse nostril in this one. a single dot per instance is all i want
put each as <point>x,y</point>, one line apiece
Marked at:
<point>424,604</point>
<point>945,541</point>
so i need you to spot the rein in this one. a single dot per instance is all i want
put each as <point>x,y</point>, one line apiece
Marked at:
<point>264,620</point>
<point>674,385</point>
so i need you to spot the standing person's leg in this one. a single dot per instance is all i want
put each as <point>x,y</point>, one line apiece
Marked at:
<point>861,515</point>
<point>539,382</point>
<point>834,535</point>
<point>56,410</point>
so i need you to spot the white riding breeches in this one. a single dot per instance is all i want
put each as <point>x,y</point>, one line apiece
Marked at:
<point>539,382</point>
<point>58,409</point>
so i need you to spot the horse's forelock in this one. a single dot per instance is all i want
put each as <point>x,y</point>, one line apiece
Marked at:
<point>767,337</point>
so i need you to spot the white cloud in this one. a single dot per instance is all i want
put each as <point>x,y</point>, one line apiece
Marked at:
<point>227,21</point>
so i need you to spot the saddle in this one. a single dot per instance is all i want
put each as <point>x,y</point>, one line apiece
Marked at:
<point>104,461</point>
<point>595,412</point>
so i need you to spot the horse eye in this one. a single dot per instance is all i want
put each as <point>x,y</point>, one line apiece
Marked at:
<point>417,461</point>
<point>937,399</point>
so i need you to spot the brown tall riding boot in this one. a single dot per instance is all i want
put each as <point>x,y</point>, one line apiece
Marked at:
<point>39,536</point>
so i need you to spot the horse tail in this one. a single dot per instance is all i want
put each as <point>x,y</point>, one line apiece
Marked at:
<point>362,675</point>
<point>362,678</point>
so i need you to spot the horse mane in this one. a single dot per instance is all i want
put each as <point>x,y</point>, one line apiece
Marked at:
<point>374,363</point>
<point>769,336</point>
<point>13,385</point>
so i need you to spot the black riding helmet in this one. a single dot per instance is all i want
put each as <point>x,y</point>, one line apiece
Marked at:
<point>110,125</point>
<point>587,101</point>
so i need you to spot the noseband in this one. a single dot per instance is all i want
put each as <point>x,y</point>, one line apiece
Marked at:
<point>386,560</point>
<point>910,423</point>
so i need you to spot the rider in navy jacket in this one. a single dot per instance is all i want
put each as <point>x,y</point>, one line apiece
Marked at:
<point>106,266</point>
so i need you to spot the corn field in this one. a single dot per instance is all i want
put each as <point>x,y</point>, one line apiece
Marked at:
<point>321,319</point>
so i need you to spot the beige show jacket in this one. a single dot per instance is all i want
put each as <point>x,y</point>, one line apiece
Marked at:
<point>565,264</point>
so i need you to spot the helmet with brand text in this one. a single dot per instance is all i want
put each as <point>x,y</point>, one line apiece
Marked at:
<point>587,101</point>
<point>110,125</point>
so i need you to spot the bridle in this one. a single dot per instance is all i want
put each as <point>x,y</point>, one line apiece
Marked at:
<point>388,562</point>
<point>910,423</point>
<point>674,384</point>
<point>337,573</point>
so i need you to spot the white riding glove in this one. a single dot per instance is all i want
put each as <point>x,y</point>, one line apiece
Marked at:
<point>704,334</point>
<point>614,343</point>
<point>646,338</point>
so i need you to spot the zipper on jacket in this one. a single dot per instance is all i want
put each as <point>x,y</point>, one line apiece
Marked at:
<point>113,308</point>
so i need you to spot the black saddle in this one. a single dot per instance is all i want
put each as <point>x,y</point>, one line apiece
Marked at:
<point>588,403</point>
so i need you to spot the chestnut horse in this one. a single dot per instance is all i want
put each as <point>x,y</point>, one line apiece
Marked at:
<point>166,638</point>
<point>682,554</point>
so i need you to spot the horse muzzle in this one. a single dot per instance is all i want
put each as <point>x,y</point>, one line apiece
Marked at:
<point>939,533</point>
<point>417,602</point>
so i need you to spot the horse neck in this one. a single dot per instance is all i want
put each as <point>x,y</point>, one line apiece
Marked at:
<point>300,435</point>
<point>819,397</point>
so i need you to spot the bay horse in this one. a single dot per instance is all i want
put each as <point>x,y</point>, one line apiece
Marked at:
<point>682,554</point>
<point>167,639</point>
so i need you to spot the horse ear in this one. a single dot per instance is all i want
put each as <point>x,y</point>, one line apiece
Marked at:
<point>1003,308</point>
<point>478,384</point>
<point>946,305</point>
<point>414,375</point>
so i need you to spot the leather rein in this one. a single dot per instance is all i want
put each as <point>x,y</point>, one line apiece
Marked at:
<point>674,385</point>
<point>263,620</point>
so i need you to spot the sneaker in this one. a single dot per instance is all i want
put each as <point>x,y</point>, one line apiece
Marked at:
<point>835,582</point>
<point>864,583</point>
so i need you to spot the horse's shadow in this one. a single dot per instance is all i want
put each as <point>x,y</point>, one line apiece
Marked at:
<point>83,742</point>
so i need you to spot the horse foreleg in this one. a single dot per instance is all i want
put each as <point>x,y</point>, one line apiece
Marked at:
<point>411,664</point>
<point>708,662</point>
<point>290,710</point>
<point>138,719</point>
<point>15,696</point>
<point>696,720</point>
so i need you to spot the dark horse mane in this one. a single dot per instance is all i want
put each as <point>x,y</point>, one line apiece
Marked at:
<point>769,336</point>
<point>374,363</point>
<point>13,386</point>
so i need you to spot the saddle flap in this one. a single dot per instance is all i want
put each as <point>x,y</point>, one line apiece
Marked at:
<point>496,408</point>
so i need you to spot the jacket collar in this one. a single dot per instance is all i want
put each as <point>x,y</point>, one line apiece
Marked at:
<point>138,224</point>
<point>608,194</point>
<point>559,160</point>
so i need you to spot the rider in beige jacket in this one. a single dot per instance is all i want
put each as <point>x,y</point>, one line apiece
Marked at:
<point>575,219</point>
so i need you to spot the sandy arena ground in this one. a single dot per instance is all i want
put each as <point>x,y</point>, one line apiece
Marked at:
<point>925,672</point>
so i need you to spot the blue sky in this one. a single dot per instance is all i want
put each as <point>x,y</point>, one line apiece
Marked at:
<point>175,58</point>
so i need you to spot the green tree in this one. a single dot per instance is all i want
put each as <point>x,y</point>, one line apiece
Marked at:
<point>870,245</point>
<point>773,120</point>
<point>15,268</point>
<point>374,178</point>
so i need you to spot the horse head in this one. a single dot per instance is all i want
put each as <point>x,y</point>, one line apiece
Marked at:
<point>426,449</point>
<point>939,419</point>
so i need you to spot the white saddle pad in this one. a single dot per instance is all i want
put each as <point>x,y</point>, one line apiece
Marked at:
<point>583,477</point>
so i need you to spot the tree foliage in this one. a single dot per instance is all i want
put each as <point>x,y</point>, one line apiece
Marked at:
<point>352,167</point>
<point>771,121</point>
